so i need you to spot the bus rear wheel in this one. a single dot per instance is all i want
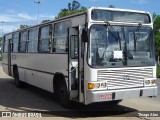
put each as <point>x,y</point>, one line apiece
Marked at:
<point>18,83</point>
<point>63,95</point>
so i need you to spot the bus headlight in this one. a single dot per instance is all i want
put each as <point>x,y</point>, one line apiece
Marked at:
<point>103,85</point>
<point>97,85</point>
<point>149,82</point>
<point>154,81</point>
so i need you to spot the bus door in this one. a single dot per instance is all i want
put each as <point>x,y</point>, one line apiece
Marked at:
<point>9,57</point>
<point>75,64</point>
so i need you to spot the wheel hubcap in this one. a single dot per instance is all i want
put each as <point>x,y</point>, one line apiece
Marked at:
<point>62,93</point>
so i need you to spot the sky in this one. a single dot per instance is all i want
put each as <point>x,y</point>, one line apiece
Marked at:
<point>14,13</point>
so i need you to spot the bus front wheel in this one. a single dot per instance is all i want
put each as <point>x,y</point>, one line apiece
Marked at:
<point>63,94</point>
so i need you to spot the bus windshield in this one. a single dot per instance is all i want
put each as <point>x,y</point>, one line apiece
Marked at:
<point>119,46</point>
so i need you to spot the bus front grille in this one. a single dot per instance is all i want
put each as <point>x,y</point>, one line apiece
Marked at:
<point>128,78</point>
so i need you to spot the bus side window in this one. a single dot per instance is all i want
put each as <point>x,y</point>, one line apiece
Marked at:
<point>60,41</point>
<point>6,41</point>
<point>15,42</point>
<point>33,40</point>
<point>5,46</point>
<point>22,42</point>
<point>44,41</point>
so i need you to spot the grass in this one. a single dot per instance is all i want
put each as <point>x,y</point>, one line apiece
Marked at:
<point>0,58</point>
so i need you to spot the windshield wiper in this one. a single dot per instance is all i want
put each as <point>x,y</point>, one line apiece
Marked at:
<point>113,32</point>
<point>138,27</point>
<point>136,37</point>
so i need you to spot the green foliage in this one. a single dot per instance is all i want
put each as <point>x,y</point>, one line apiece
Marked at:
<point>111,6</point>
<point>73,8</point>
<point>74,5</point>
<point>154,16</point>
<point>157,44</point>
<point>1,41</point>
<point>24,26</point>
<point>156,24</point>
<point>158,71</point>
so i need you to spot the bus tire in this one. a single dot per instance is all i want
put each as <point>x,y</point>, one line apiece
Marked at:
<point>116,102</point>
<point>18,83</point>
<point>63,94</point>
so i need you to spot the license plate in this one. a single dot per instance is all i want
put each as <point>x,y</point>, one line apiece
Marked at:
<point>106,96</point>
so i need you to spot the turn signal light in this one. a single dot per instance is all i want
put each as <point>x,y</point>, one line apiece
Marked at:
<point>97,85</point>
<point>90,85</point>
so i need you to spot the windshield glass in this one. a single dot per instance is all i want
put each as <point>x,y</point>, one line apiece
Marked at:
<point>118,46</point>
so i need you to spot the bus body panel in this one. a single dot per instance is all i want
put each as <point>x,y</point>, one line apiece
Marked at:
<point>101,96</point>
<point>39,69</point>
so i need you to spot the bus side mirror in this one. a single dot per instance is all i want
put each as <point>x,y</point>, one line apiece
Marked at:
<point>84,35</point>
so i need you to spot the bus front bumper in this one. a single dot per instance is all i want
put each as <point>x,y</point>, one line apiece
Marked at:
<point>101,96</point>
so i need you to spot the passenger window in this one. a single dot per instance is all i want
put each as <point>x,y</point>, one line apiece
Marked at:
<point>15,42</point>
<point>33,40</point>
<point>74,47</point>
<point>6,41</point>
<point>44,41</point>
<point>23,39</point>
<point>60,43</point>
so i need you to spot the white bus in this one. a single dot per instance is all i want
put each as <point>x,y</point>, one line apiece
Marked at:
<point>103,54</point>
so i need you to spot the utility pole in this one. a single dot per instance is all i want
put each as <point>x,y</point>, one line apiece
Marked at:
<point>37,2</point>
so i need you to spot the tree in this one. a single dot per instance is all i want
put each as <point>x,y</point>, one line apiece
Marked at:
<point>24,26</point>
<point>73,8</point>
<point>43,21</point>
<point>111,6</point>
<point>154,16</point>
<point>1,42</point>
<point>157,45</point>
<point>156,26</point>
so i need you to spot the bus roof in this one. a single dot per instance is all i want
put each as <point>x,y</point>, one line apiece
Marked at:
<point>48,22</point>
<point>119,9</point>
<point>81,13</point>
